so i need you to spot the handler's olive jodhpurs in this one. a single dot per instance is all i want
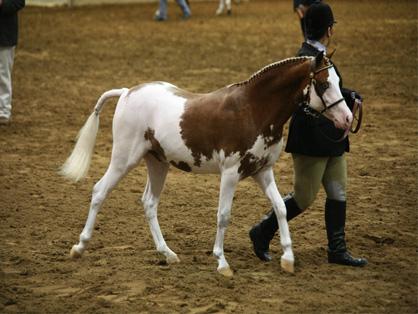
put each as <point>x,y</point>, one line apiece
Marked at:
<point>311,171</point>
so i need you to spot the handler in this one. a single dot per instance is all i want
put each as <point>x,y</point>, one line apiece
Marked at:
<point>317,158</point>
<point>300,7</point>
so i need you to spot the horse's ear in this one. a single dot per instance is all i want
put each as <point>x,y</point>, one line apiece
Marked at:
<point>329,55</point>
<point>318,59</point>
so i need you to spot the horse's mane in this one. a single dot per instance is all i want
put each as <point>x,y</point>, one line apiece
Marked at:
<point>273,66</point>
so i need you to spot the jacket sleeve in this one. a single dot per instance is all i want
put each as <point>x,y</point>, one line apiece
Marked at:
<point>10,7</point>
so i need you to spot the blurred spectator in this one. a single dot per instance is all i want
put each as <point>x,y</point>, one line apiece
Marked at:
<point>161,14</point>
<point>8,42</point>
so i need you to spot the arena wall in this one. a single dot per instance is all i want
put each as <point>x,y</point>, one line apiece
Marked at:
<point>80,2</point>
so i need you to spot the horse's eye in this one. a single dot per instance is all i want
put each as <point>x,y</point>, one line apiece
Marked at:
<point>321,87</point>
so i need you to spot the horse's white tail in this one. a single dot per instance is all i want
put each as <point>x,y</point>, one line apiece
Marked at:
<point>77,165</point>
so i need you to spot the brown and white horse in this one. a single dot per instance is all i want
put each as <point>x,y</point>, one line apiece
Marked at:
<point>235,131</point>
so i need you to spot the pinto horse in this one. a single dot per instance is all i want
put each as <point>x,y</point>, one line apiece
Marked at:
<point>235,131</point>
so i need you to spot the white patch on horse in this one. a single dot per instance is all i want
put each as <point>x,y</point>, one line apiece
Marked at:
<point>164,117</point>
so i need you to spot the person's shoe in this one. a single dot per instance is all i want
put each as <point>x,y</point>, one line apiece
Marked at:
<point>4,120</point>
<point>158,17</point>
<point>345,258</point>
<point>260,244</point>
<point>186,16</point>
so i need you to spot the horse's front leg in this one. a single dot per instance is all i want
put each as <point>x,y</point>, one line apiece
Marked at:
<point>229,180</point>
<point>267,183</point>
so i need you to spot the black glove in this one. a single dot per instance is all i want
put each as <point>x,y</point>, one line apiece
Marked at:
<point>355,95</point>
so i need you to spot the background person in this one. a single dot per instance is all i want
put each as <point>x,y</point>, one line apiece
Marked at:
<point>8,42</point>
<point>161,14</point>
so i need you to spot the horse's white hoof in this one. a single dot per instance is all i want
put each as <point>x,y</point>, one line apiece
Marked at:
<point>172,259</point>
<point>219,12</point>
<point>226,271</point>
<point>287,265</point>
<point>75,253</point>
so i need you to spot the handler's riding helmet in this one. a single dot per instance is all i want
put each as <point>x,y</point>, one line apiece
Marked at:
<point>317,20</point>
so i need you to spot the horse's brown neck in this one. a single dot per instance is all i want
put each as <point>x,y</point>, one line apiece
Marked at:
<point>232,118</point>
<point>275,94</point>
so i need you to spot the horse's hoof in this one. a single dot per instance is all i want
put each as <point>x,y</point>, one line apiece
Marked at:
<point>218,12</point>
<point>287,265</point>
<point>226,271</point>
<point>75,253</point>
<point>172,259</point>
<point>229,12</point>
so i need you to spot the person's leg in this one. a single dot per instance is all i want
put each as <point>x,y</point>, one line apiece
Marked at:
<point>184,8</point>
<point>307,181</point>
<point>161,13</point>
<point>6,65</point>
<point>263,232</point>
<point>335,181</point>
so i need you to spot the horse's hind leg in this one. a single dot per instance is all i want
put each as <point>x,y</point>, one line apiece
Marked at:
<point>125,156</point>
<point>157,172</point>
<point>266,181</point>
<point>100,191</point>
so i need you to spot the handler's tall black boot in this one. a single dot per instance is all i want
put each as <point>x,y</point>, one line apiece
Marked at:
<point>335,224</point>
<point>262,233</point>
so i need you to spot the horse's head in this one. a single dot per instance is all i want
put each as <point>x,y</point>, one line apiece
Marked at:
<point>325,95</point>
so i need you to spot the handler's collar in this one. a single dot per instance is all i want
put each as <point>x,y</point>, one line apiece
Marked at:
<point>318,45</point>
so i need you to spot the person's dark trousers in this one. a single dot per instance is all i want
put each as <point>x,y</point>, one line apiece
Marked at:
<point>335,214</point>
<point>262,233</point>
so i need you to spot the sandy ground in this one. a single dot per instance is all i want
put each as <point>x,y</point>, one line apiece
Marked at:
<point>68,57</point>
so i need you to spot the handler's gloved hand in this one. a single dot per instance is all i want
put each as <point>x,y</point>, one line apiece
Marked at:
<point>356,96</point>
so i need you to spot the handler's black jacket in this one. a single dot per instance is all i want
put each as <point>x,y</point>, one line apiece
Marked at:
<point>314,136</point>
<point>8,22</point>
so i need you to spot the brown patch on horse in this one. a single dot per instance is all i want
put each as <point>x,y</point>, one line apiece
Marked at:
<point>156,149</point>
<point>321,78</point>
<point>272,135</point>
<point>217,121</point>
<point>251,164</point>
<point>181,165</point>
<point>231,118</point>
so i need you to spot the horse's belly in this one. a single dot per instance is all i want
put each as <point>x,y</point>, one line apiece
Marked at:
<point>182,159</point>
